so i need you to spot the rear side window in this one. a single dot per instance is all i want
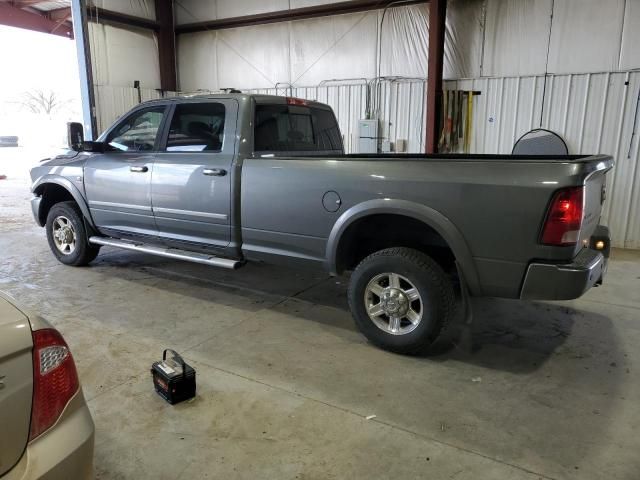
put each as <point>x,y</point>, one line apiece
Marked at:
<point>295,128</point>
<point>196,127</point>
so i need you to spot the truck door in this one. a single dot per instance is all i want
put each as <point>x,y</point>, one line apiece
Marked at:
<point>191,185</point>
<point>118,181</point>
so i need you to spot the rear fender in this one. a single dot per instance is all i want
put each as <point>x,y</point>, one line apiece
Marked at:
<point>428,216</point>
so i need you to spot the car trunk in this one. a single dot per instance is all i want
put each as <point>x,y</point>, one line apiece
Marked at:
<point>16,383</point>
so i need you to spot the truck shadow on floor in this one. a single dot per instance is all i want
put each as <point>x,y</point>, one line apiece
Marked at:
<point>507,335</point>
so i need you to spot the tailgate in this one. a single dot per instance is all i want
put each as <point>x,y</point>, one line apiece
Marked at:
<point>16,384</point>
<point>594,196</point>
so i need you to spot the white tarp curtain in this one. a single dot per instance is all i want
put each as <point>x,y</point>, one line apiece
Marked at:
<point>586,36</point>
<point>119,56</point>
<point>306,52</point>
<point>630,53</point>
<point>516,37</point>
<point>583,36</point>
<point>483,38</point>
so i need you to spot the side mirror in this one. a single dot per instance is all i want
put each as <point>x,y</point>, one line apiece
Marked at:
<point>75,135</point>
<point>94,147</point>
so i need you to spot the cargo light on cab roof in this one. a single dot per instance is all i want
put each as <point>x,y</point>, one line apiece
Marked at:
<point>296,101</point>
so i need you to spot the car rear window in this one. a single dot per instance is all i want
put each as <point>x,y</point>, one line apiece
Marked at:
<point>295,128</point>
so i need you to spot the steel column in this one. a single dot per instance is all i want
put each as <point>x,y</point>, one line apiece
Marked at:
<point>83,50</point>
<point>166,45</point>
<point>437,16</point>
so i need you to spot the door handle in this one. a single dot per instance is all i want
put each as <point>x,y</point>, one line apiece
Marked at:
<point>214,172</point>
<point>139,169</point>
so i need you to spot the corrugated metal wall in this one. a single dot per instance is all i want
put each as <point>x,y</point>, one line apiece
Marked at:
<point>595,113</point>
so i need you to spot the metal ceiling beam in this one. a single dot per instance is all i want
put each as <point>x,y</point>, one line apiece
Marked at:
<point>339,8</point>
<point>25,3</point>
<point>16,17</point>
<point>100,15</point>
<point>437,17</point>
<point>59,14</point>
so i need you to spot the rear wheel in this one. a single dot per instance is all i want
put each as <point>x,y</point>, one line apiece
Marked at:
<point>67,235</point>
<point>401,300</point>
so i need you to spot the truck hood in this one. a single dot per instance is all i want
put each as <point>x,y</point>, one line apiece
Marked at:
<point>60,159</point>
<point>49,165</point>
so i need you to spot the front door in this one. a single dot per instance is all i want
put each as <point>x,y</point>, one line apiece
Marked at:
<point>191,185</point>
<point>118,181</point>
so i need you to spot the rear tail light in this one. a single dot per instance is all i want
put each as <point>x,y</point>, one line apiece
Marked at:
<point>564,218</point>
<point>55,380</point>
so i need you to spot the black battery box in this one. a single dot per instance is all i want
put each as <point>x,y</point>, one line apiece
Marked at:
<point>173,379</point>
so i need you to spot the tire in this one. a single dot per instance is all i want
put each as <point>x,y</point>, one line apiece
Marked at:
<point>420,287</point>
<point>67,235</point>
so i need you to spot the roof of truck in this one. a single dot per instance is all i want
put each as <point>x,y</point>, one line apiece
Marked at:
<point>257,97</point>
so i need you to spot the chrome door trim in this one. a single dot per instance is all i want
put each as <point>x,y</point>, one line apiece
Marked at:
<point>176,211</point>
<point>97,203</point>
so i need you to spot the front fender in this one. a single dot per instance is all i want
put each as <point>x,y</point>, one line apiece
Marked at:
<point>49,179</point>
<point>429,216</point>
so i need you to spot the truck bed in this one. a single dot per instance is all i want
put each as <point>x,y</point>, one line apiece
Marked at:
<point>497,203</point>
<point>459,157</point>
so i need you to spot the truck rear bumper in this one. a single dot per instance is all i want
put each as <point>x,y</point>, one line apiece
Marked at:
<point>545,281</point>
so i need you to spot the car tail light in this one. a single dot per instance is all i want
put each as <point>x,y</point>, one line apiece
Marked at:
<point>296,101</point>
<point>564,218</point>
<point>55,380</point>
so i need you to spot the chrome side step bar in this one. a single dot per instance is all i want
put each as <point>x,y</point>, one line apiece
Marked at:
<point>167,252</point>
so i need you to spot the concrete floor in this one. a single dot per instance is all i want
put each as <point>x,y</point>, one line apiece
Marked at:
<point>535,390</point>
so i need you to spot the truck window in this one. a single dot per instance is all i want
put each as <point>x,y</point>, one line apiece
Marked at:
<point>197,127</point>
<point>138,131</point>
<point>295,128</point>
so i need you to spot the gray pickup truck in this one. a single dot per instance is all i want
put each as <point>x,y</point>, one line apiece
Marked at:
<point>228,179</point>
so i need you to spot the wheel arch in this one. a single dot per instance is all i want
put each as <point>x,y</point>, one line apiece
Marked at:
<point>54,189</point>
<point>426,216</point>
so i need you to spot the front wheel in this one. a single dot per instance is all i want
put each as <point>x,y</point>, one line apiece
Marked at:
<point>401,300</point>
<point>67,235</point>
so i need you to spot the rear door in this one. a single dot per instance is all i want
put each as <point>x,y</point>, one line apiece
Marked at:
<point>118,182</point>
<point>191,186</point>
<point>16,384</point>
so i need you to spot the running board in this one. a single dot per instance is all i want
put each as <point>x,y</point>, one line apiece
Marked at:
<point>167,252</point>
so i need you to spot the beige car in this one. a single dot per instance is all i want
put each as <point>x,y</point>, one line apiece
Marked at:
<point>46,430</point>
